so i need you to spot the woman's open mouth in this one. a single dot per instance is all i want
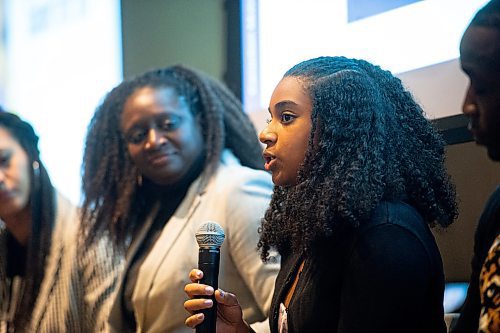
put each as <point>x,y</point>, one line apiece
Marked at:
<point>269,160</point>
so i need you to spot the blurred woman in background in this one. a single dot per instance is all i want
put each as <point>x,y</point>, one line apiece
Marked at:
<point>43,287</point>
<point>167,151</point>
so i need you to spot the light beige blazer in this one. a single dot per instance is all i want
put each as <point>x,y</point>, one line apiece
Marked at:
<point>236,197</point>
<point>75,293</point>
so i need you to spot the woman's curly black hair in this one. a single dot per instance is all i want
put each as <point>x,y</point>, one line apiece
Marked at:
<point>109,175</point>
<point>42,204</point>
<point>369,142</point>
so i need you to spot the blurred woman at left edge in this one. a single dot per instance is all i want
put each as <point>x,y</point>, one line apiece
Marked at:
<point>45,284</point>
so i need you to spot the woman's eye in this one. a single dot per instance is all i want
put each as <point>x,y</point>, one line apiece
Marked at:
<point>5,159</point>
<point>170,124</point>
<point>287,118</point>
<point>136,136</point>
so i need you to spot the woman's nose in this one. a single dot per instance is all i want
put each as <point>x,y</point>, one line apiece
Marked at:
<point>268,136</point>
<point>155,139</point>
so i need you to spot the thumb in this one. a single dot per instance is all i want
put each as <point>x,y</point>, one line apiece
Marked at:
<point>225,298</point>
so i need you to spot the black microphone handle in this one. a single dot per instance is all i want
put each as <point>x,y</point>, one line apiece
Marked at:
<point>208,262</point>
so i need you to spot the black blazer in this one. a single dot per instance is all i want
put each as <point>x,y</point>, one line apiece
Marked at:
<point>385,276</point>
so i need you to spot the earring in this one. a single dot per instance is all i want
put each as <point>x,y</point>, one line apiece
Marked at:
<point>139,179</point>
<point>36,168</point>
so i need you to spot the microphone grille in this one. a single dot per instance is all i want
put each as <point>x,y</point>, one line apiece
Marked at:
<point>210,234</point>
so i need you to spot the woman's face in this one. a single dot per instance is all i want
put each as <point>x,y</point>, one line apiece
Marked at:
<point>287,134</point>
<point>14,176</point>
<point>163,138</point>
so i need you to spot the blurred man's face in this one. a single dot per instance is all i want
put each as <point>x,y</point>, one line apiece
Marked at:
<point>480,60</point>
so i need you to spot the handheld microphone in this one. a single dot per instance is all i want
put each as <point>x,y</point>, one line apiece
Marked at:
<point>210,237</point>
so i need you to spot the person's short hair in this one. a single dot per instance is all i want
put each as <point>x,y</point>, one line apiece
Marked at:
<point>488,16</point>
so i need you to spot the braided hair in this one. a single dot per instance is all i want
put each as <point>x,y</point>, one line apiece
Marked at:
<point>369,142</point>
<point>43,207</point>
<point>109,175</point>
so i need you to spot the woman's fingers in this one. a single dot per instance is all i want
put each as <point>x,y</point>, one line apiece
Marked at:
<point>195,275</point>
<point>192,305</point>
<point>196,290</point>
<point>194,320</point>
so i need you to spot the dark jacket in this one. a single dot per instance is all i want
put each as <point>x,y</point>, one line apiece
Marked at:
<point>385,276</point>
<point>486,232</point>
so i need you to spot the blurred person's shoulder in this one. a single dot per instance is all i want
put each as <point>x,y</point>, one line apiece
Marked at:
<point>233,175</point>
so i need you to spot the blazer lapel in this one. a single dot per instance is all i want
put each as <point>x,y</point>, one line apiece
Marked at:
<point>51,275</point>
<point>170,232</point>
<point>284,280</point>
<point>116,319</point>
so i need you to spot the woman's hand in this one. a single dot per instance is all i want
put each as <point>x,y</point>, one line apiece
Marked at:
<point>229,314</point>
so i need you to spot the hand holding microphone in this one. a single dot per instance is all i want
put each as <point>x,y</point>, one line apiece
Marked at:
<point>203,300</point>
<point>210,237</point>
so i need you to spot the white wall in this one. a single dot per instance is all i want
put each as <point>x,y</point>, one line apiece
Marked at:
<point>61,58</point>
